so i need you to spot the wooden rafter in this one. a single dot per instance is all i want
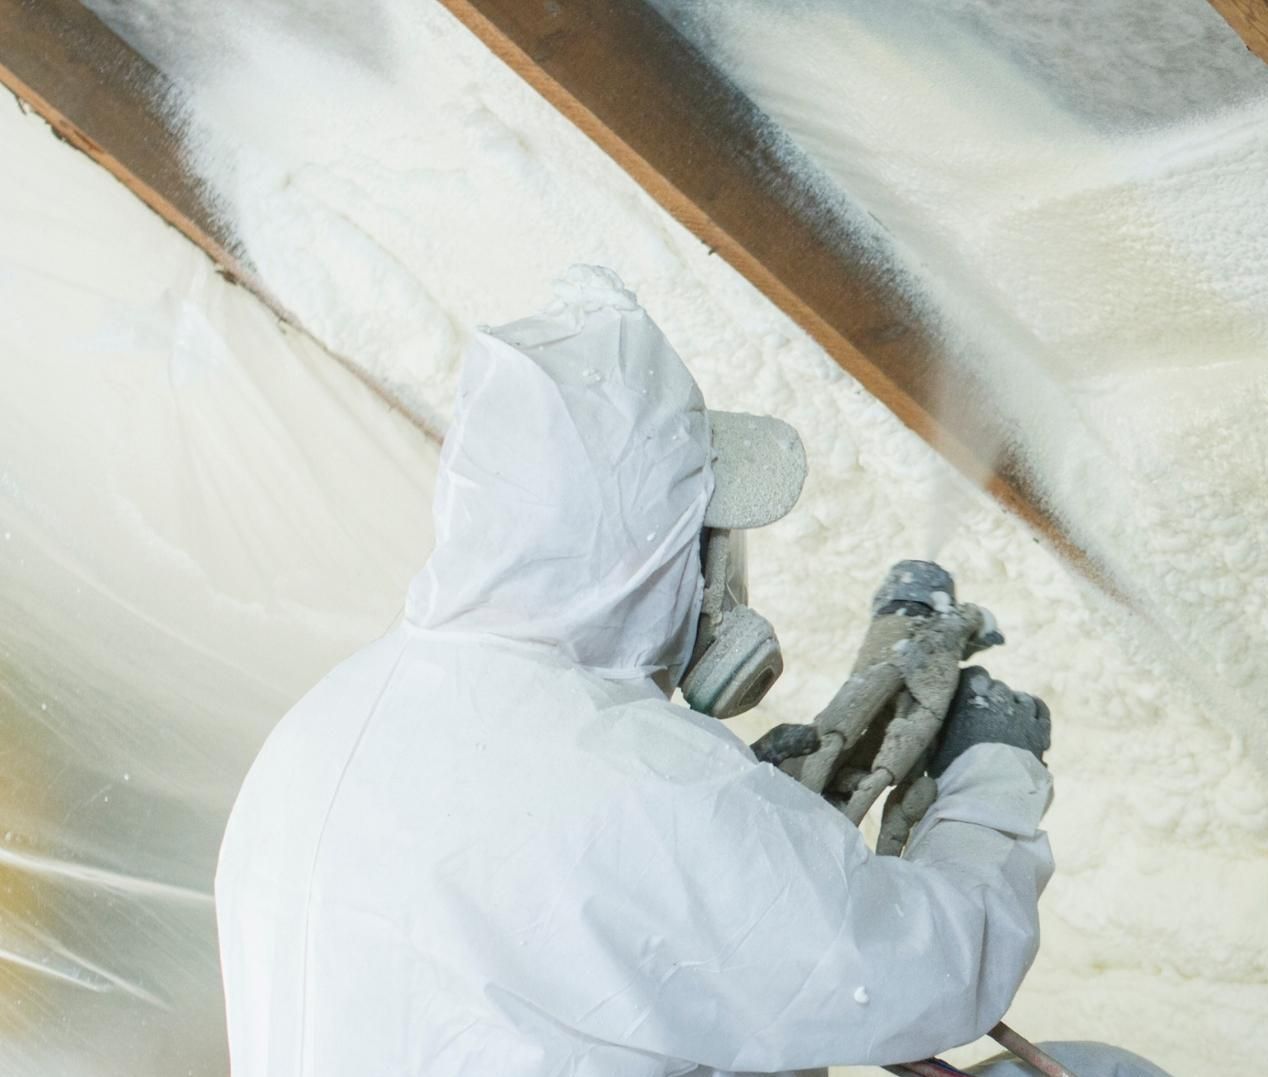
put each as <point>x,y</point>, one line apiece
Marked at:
<point>104,99</point>
<point>1250,19</point>
<point>711,158</point>
<point>644,95</point>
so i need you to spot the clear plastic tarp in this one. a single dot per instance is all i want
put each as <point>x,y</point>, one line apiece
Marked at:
<point>199,514</point>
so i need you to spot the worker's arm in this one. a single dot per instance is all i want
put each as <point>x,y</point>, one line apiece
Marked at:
<point>737,920</point>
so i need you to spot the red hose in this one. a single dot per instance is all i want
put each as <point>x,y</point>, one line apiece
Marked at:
<point>1028,1052</point>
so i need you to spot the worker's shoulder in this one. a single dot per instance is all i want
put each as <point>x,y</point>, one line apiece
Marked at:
<point>481,710</point>
<point>363,672</point>
<point>655,737</point>
<point>569,717</point>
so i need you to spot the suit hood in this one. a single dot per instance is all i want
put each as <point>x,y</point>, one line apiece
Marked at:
<point>572,488</point>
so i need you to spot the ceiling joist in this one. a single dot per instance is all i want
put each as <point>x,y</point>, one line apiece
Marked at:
<point>1250,19</point>
<point>711,158</point>
<point>658,108</point>
<point>104,99</point>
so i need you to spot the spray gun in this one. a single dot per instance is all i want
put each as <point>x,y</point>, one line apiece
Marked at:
<point>881,729</point>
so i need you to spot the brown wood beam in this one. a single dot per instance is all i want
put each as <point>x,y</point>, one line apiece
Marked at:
<point>1250,19</point>
<point>650,100</point>
<point>719,165</point>
<point>107,101</point>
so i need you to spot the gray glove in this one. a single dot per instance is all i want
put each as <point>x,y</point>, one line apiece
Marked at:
<point>786,742</point>
<point>988,711</point>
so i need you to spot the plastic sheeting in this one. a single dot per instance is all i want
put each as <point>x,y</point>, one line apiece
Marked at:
<point>199,513</point>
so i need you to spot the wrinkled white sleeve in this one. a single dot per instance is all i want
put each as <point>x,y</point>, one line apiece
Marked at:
<point>741,923</point>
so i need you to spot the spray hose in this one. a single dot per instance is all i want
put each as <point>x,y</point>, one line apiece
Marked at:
<point>1003,1035</point>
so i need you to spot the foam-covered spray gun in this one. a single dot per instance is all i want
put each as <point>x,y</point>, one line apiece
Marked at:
<point>882,728</point>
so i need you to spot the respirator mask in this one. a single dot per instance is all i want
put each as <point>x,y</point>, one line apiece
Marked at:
<point>759,466</point>
<point>736,657</point>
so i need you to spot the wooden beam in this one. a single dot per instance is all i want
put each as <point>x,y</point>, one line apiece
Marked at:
<point>108,101</point>
<point>630,82</point>
<point>104,99</point>
<point>1250,19</point>
<point>719,165</point>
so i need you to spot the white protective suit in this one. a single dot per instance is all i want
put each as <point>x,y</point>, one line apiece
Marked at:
<point>488,845</point>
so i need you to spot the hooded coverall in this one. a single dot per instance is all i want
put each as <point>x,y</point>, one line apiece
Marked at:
<point>489,844</point>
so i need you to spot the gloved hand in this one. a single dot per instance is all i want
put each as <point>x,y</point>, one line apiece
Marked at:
<point>784,742</point>
<point>984,710</point>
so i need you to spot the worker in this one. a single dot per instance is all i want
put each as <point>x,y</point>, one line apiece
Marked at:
<point>491,843</point>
